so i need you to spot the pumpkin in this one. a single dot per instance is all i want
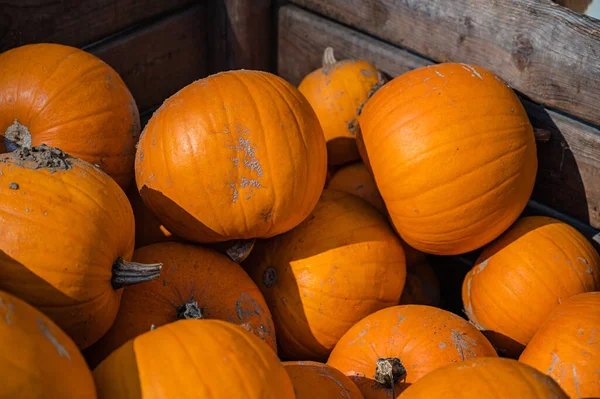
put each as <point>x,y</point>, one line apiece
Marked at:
<point>390,349</point>
<point>318,380</point>
<point>195,283</point>
<point>68,233</point>
<point>519,279</point>
<point>248,142</point>
<point>357,180</point>
<point>453,154</point>
<point>65,97</point>
<point>337,93</point>
<point>37,358</point>
<point>194,359</point>
<point>148,229</point>
<point>422,286</point>
<point>567,346</point>
<point>360,145</point>
<point>341,264</point>
<point>486,378</point>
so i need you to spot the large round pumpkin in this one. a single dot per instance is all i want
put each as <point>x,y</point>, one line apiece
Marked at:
<point>357,180</point>
<point>237,155</point>
<point>195,282</point>
<point>37,358</point>
<point>395,347</point>
<point>567,346</point>
<point>453,155</point>
<point>65,97</point>
<point>519,279</point>
<point>67,234</point>
<point>341,264</point>
<point>486,378</point>
<point>194,359</point>
<point>313,380</point>
<point>337,93</point>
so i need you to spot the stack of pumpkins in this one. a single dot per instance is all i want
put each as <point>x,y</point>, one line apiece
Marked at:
<point>335,281</point>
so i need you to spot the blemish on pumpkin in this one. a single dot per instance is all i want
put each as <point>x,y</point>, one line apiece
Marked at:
<point>442,345</point>
<point>463,344</point>
<point>474,73</point>
<point>360,335</point>
<point>17,136</point>
<point>267,215</point>
<point>366,73</point>
<point>555,360</point>
<point>482,266</point>
<point>576,381</point>
<point>13,186</point>
<point>248,182</point>
<point>8,309</point>
<point>438,73</point>
<point>352,126</point>
<point>236,162</point>
<point>235,192</point>
<point>61,349</point>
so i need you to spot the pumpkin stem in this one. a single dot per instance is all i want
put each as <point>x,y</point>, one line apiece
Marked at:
<point>17,136</point>
<point>240,250</point>
<point>126,273</point>
<point>388,372</point>
<point>542,135</point>
<point>328,58</point>
<point>189,310</point>
<point>270,277</point>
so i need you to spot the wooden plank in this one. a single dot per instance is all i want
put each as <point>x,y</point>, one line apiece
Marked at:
<point>75,23</point>
<point>569,163</point>
<point>546,51</point>
<point>161,58</point>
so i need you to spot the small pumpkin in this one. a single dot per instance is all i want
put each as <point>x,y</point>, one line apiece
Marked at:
<point>318,380</point>
<point>337,92</point>
<point>148,229</point>
<point>341,264</point>
<point>37,358</point>
<point>65,97</point>
<point>422,285</point>
<point>195,283</point>
<point>567,346</point>
<point>391,349</point>
<point>68,235</point>
<point>357,180</point>
<point>519,279</point>
<point>249,142</point>
<point>486,377</point>
<point>453,154</point>
<point>194,359</point>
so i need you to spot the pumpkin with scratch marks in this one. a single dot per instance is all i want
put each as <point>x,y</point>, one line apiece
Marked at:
<point>314,380</point>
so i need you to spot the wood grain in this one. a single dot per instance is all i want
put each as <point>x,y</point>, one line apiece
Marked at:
<point>569,163</point>
<point>546,51</point>
<point>157,60</point>
<point>74,22</point>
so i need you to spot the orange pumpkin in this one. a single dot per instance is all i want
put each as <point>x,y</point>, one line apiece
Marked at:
<point>148,229</point>
<point>357,180</point>
<point>341,264</point>
<point>422,286</point>
<point>68,232</point>
<point>313,380</point>
<point>453,155</point>
<point>337,93</point>
<point>403,344</point>
<point>194,359</point>
<point>519,279</point>
<point>195,282</point>
<point>237,155</point>
<point>567,346</point>
<point>37,358</point>
<point>64,97</point>
<point>486,378</point>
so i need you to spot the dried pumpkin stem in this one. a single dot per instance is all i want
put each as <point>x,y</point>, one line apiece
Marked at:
<point>328,58</point>
<point>17,136</point>
<point>189,310</point>
<point>388,372</point>
<point>240,250</point>
<point>126,273</point>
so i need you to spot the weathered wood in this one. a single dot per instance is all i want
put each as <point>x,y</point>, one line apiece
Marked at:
<point>546,51</point>
<point>157,60</point>
<point>569,163</point>
<point>75,23</point>
<point>242,35</point>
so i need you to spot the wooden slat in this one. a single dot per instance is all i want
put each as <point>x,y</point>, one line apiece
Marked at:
<point>75,23</point>
<point>161,58</point>
<point>569,163</point>
<point>546,51</point>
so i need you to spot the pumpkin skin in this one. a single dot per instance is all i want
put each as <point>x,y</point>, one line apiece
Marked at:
<point>337,93</point>
<point>192,359</point>
<point>70,99</point>
<point>486,378</point>
<point>501,294</point>
<point>200,278</point>
<point>422,286</point>
<point>466,126</point>
<point>318,380</point>
<point>356,179</point>
<point>77,224</point>
<point>341,264</point>
<point>567,346</point>
<point>252,144</point>
<point>37,358</point>
<point>148,229</point>
<point>422,338</point>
